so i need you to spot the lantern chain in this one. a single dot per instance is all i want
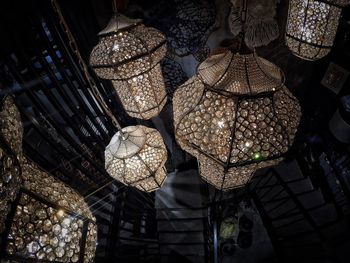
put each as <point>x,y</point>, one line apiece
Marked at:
<point>83,65</point>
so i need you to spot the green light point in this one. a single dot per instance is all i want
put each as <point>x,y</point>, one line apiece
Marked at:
<point>257,156</point>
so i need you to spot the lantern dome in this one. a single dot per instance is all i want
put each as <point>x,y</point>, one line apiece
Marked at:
<point>129,54</point>
<point>240,74</point>
<point>236,120</point>
<point>136,157</point>
<point>312,26</point>
<point>126,49</point>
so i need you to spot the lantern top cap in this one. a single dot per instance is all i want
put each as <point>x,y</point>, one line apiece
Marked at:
<point>240,74</point>
<point>127,52</point>
<point>119,22</point>
<point>128,143</point>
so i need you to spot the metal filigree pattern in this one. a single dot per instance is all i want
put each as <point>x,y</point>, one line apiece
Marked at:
<point>130,57</point>
<point>173,75</point>
<point>142,96</point>
<point>312,26</point>
<point>10,148</point>
<point>233,121</point>
<point>45,219</point>
<point>260,27</point>
<point>59,233</point>
<point>187,25</point>
<point>137,158</point>
<point>11,125</point>
<point>51,221</point>
<point>240,74</point>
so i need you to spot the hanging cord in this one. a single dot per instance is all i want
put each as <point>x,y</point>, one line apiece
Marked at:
<point>115,8</point>
<point>83,65</point>
<point>243,49</point>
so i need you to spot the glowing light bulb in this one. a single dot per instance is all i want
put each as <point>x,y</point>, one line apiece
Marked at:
<point>115,47</point>
<point>60,213</point>
<point>257,156</point>
<point>221,124</point>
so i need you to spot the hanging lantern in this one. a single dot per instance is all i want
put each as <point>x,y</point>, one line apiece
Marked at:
<point>312,26</point>
<point>41,218</point>
<point>235,116</point>
<point>129,54</point>
<point>256,19</point>
<point>136,157</point>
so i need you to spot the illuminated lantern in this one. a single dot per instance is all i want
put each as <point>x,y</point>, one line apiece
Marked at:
<point>235,116</point>
<point>136,157</point>
<point>41,219</point>
<point>312,26</point>
<point>129,55</point>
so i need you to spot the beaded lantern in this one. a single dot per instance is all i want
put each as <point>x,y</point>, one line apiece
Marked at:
<point>41,218</point>
<point>235,116</point>
<point>136,157</point>
<point>129,55</point>
<point>10,152</point>
<point>312,26</point>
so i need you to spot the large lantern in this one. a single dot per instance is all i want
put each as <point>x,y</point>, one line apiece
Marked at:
<point>235,116</point>
<point>312,26</point>
<point>129,54</point>
<point>10,153</point>
<point>136,157</point>
<point>42,219</point>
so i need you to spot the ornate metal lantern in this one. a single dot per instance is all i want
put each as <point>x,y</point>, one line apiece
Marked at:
<point>235,116</point>
<point>41,219</point>
<point>312,26</point>
<point>129,54</point>
<point>136,157</point>
<point>256,19</point>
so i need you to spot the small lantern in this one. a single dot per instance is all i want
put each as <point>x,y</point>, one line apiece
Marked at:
<point>235,116</point>
<point>136,157</point>
<point>312,26</point>
<point>129,54</point>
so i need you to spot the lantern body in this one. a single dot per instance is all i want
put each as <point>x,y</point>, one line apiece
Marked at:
<point>312,26</point>
<point>10,150</point>
<point>41,218</point>
<point>137,158</point>
<point>234,126</point>
<point>142,96</point>
<point>51,222</point>
<point>129,54</point>
<point>10,125</point>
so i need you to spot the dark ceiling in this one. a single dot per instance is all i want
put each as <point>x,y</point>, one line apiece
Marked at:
<point>66,131</point>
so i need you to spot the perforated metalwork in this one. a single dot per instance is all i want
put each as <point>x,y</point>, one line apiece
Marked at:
<point>235,121</point>
<point>144,169</point>
<point>312,26</point>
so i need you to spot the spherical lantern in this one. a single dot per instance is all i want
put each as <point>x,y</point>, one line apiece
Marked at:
<point>312,26</point>
<point>235,116</point>
<point>41,219</point>
<point>136,157</point>
<point>129,54</point>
